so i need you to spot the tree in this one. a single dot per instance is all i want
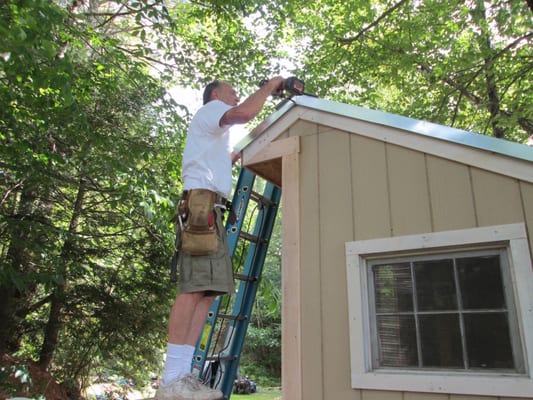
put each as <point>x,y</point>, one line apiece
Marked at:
<point>84,218</point>
<point>462,64</point>
<point>91,141</point>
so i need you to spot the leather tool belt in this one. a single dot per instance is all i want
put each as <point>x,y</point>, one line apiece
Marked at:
<point>197,222</point>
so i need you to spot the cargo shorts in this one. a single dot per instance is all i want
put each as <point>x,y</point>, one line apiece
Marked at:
<point>211,273</point>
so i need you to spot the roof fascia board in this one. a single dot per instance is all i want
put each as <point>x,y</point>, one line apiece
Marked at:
<point>272,150</point>
<point>484,142</point>
<point>497,155</point>
<point>268,131</point>
<point>267,123</point>
<point>514,167</point>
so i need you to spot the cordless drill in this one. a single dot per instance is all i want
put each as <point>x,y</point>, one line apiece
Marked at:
<point>293,85</point>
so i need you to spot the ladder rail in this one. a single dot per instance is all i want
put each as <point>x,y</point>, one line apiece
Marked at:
<point>244,301</point>
<point>240,201</point>
<point>224,364</point>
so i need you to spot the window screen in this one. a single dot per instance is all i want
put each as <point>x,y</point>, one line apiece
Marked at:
<point>450,311</point>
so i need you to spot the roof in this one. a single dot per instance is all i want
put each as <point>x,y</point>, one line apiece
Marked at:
<point>428,129</point>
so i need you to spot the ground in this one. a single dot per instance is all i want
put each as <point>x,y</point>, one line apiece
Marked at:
<point>43,384</point>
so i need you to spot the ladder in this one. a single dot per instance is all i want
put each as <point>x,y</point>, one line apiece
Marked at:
<point>223,360</point>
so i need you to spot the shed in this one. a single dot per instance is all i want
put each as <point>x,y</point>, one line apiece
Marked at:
<point>406,265</point>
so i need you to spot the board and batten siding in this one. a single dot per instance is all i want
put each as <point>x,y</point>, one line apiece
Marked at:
<point>352,187</point>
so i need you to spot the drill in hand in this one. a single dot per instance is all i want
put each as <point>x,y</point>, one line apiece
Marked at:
<point>292,85</point>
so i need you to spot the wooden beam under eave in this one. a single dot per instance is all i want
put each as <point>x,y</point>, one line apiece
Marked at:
<point>268,162</point>
<point>268,170</point>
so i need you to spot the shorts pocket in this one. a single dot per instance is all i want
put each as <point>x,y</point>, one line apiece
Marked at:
<point>220,269</point>
<point>201,271</point>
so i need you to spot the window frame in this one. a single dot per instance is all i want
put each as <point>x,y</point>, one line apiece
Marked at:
<point>513,238</point>
<point>502,254</point>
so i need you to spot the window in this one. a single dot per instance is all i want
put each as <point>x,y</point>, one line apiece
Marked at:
<point>443,312</point>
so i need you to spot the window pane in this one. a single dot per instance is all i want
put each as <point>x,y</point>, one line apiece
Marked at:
<point>393,288</point>
<point>488,342</point>
<point>481,282</point>
<point>435,285</point>
<point>397,341</point>
<point>440,336</point>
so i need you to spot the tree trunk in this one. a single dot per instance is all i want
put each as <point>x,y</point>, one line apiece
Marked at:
<point>55,321</point>
<point>493,100</point>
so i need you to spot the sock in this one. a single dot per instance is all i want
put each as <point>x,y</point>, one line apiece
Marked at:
<point>178,361</point>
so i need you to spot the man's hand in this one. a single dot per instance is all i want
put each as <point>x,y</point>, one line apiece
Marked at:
<point>276,85</point>
<point>250,107</point>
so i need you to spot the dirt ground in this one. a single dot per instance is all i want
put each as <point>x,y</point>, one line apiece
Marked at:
<point>43,384</point>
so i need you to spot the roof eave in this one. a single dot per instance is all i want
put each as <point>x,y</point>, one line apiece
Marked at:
<point>429,129</point>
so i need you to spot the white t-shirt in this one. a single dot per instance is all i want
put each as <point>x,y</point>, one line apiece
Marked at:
<point>206,162</point>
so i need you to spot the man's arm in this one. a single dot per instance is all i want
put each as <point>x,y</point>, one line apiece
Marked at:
<point>253,104</point>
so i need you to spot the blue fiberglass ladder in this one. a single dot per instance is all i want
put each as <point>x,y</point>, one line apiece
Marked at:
<point>214,363</point>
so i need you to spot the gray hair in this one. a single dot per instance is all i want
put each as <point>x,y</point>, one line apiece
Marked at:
<point>208,91</point>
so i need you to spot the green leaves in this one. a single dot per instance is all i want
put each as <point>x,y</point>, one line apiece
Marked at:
<point>87,134</point>
<point>420,59</point>
<point>91,142</point>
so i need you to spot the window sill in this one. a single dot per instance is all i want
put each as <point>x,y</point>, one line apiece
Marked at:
<point>445,382</point>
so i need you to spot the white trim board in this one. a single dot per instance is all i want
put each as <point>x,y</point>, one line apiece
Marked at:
<point>426,137</point>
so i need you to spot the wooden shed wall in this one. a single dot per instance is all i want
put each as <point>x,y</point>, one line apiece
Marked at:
<point>354,188</point>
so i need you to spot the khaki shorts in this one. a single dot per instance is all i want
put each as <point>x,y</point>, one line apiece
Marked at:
<point>212,273</point>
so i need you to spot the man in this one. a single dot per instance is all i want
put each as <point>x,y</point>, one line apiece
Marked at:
<point>207,181</point>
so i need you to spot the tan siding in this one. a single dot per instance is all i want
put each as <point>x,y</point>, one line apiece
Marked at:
<point>450,189</point>
<point>354,188</point>
<point>515,398</point>
<point>409,199</point>
<point>335,212</point>
<point>527,201</point>
<point>369,189</point>
<point>497,198</point>
<point>380,395</point>
<point>310,257</point>
<point>424,396</point>
<point>303,128</point>
<point>326,129</point>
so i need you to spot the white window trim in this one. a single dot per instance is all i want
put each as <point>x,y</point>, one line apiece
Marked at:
<point>514,237</point>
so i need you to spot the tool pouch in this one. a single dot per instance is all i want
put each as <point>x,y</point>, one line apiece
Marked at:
<point>199,235</point>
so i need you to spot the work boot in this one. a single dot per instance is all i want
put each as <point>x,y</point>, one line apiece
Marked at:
<point>187,387</point>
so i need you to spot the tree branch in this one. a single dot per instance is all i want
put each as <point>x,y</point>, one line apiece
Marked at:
<point>374,23</point>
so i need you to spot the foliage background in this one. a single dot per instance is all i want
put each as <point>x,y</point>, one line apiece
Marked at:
<point>91,143</point>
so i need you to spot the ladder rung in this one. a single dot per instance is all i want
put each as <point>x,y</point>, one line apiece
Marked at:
<point>221,358</point>
<point>233,317</point>
<point>252,238</point>
<point>246,278</point>
<point>261,199</point>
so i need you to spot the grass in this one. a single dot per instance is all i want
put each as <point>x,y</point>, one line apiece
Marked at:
<point>262,394</point>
